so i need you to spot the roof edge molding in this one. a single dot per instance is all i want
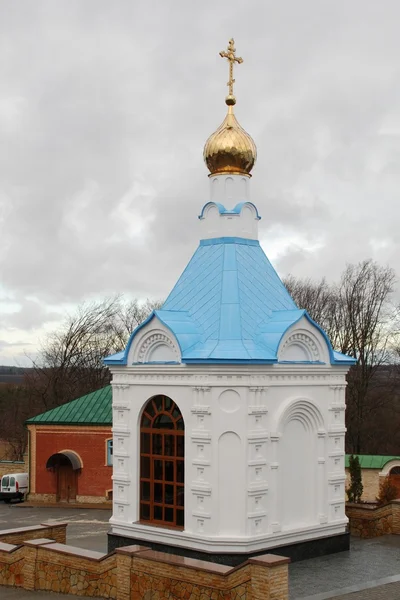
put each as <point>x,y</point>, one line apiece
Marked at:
<point>304,342</point>
<point>240,221</point>
<point>154,344</point>
<point>156,341</point>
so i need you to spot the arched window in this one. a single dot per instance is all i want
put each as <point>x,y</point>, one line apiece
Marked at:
<point>395,471</point>
<point>162,439</point>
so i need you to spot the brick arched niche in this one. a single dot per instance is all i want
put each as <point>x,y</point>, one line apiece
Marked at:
<point>392,467</point>
<point>162,463</point>
<point>66,464</point>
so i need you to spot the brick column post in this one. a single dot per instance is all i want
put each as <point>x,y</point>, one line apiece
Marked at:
<point>30,557</point>
<point>124,566</point>
<point>269,577</point>
<point>57,532</point>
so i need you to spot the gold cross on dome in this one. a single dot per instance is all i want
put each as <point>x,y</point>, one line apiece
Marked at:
<point>231,56</point>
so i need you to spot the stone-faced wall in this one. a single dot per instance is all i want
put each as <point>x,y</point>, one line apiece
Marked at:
<point>135,572</point>
<point>54,531</point>
<point>373,521</point>
<point>12,562</point>
<point>369,522</point>
<point>61,568</point>
<point>11,466</point>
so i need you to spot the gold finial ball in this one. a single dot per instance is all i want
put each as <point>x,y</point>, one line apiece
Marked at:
<point>230,100</point>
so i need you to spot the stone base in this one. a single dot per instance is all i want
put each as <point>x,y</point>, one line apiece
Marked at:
<point>45,498</point>
<point>296,552</point>
<point>90,499</point>
<point>52,499</point>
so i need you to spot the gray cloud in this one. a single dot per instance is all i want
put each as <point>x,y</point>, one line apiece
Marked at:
<point>16,353</point>
<point>29,315</point>
<point>104,111</point>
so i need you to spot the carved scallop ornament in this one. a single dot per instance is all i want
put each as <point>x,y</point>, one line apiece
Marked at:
<point>155,346</point>
<point>305,411</point>
<point>302,345</point>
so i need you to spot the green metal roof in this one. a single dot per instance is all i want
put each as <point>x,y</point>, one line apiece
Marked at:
<point>372,461</point>
<point>92,409</point>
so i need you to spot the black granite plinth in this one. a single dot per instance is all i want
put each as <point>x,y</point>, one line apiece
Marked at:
<point>296,552</point>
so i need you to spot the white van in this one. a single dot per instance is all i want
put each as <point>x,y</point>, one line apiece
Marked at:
<point>15,486</point>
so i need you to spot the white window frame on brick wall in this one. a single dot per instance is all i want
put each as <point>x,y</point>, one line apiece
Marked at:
<point>109,452</point>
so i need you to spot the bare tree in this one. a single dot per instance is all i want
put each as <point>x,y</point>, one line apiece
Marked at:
<point>359,318</point>
<point>321,300</point>
<point>70,363</point>
<point>14,410</point>
<point>368,335</point>
<point>130,315</point>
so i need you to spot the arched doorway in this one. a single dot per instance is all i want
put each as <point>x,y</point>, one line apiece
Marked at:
<point>162,466</point>
<point>66,465</point>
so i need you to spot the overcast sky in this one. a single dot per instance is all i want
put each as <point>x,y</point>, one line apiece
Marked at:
<point>104,110</point>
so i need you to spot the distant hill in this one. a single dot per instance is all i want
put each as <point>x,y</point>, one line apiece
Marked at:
<point>12,375</point>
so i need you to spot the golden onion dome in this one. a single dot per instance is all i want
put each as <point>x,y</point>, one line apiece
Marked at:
<point>230,149</point>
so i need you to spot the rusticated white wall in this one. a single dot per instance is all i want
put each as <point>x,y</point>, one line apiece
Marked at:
<point>264,453</point>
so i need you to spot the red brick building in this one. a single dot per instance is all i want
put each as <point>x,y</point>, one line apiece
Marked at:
<point>70,451</point>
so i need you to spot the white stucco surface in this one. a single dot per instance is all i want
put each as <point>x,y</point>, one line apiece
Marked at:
<point>264,456</point>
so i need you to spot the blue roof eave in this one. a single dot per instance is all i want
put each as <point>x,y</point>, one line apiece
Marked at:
<point>343,359</point>
<point>121,358</point>
<point>274,329</point>
<point>179,323</point>
<point>115,359</point>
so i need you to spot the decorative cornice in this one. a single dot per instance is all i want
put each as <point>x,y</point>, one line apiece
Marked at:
<point>175,375</point>
<point>335,373</point>
<point>84,429</point>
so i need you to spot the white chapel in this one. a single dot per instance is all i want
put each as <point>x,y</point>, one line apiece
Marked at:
<point>228,402</point>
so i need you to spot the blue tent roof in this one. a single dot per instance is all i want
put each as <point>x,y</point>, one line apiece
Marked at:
<point>229,305</point>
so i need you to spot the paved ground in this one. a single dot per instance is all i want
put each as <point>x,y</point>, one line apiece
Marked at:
<point>370,571</point>
<point>390,591</point>
<point>369,563</point>
<point>87,528</point>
